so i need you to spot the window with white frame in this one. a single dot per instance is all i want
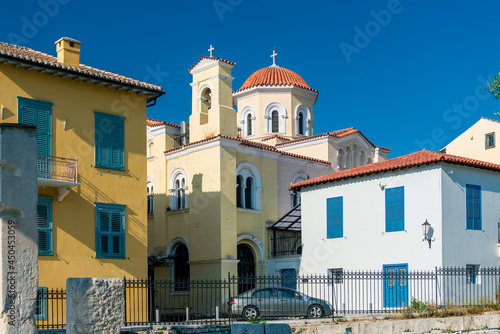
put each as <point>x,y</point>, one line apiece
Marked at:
<point>247,120</point>
<point>303,121</point>
<point>178,190</point>
<point>150,148</point>
<point>248,186</point>
<point>275,115</point>
<point>151,202</point>
<point>295,195</point>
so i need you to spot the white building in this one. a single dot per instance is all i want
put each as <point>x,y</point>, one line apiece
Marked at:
<point>370,217</point>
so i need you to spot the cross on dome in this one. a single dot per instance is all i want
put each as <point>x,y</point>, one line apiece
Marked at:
<point>274,57</point>
<point>210,50</point>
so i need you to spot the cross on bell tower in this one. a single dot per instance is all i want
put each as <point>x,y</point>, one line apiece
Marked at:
<point>210,50</point>
<point>274,57</point>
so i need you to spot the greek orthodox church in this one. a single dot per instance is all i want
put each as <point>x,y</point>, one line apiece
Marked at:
<point>218,186</point>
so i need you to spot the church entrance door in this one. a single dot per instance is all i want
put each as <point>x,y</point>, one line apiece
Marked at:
<point>246,268</point>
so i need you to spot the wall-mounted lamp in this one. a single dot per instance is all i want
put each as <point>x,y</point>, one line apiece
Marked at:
<point>428,232</point>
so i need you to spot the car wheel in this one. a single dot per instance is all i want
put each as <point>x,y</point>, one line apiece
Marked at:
<point>250,312</point>
<point>315,311</point>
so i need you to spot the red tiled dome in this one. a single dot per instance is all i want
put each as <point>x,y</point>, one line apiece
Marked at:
<point>275,76</point>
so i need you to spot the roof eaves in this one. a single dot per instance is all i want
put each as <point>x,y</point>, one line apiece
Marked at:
<point>81,73</point>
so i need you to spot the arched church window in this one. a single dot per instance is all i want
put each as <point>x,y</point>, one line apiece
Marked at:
<point>301,123</point>
<point>150,198</point>
<point>181,268</point>
<point>150,148</point>
<point>239,191</point>
<point>206,104</point>
<point>247,186</point>
<point>249,125</point>
<point>177,189</point>
<point>295,198</point>
<point>248,193</point>
<point>275,121</point>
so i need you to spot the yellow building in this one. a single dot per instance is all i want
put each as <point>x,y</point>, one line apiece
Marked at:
<point>218,182</point>
<point>91,125</point>
<point>477,142</point>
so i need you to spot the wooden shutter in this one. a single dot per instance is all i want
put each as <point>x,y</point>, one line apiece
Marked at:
<point>335,217</point>
<point>473,195</point>
<point>44,221</point>
<point>109,141</point>
<point>39,114</point>
<point>394,209</point>
<point>110,231</point>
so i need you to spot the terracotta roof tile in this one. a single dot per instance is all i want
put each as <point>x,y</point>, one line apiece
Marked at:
<point>489,119</point>
<point>154,122</point>
<point>275,76</point>
<point>251,144</point>
<point>419,158</point>
<point>276,136</point>
<point>30,56</point>
<point>213,58</point>
<point>337,134</point>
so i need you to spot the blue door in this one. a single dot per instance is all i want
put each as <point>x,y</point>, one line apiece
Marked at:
<point>289,278</point>
<point>395,285</point>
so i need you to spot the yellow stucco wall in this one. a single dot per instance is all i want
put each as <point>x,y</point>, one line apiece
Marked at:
<point>74,218</point>
<point>471,143</point>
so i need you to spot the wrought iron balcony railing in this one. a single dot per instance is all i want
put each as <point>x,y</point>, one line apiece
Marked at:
<point>57,169</point>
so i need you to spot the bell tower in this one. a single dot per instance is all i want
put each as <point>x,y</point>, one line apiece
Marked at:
<point>212,103</point>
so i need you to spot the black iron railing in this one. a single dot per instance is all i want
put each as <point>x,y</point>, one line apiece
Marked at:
<point>56,168</point>
<point>50,308</point>
<point>339,293</point>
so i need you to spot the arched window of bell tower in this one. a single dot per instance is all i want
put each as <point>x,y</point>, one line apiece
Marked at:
<point>206,104</point>
<point>301,123</point>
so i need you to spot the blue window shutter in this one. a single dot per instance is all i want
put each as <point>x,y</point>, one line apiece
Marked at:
<point>41,303</point>
<point>109,141</point>
<point>110,230</point>
<point>473,209</point>
<point>44,221</point>
<point>334,213</point>
<point>38,113</point>
<point>394,209</point>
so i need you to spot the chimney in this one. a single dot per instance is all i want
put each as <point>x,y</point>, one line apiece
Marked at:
<point>68,51</point>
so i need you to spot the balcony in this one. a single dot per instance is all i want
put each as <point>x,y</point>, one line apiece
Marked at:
<point>56,172</point>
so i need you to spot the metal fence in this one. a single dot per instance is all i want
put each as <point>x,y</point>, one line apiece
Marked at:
<point>396,291</point>
<point>151,302</point>
<point>50,308</point>
<point>317,296</point>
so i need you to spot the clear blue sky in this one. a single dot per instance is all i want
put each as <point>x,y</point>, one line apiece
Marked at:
<point>409,80</point>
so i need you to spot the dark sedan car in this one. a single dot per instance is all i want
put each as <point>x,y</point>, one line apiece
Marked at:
<point>278,302</point>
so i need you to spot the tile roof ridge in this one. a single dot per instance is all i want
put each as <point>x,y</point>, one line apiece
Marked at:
<point>39,58</point>
<point>161,123</point>
<point>490,119</point>
<point>249,143</point>
<point>415,159</point>
<point>213,58</point>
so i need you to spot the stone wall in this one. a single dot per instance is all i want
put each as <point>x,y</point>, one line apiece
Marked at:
<point>18,229</point>
<point>94,305</point>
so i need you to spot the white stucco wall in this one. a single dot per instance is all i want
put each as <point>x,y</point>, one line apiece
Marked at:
<point>366,245</point>
<point>462,246</point>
